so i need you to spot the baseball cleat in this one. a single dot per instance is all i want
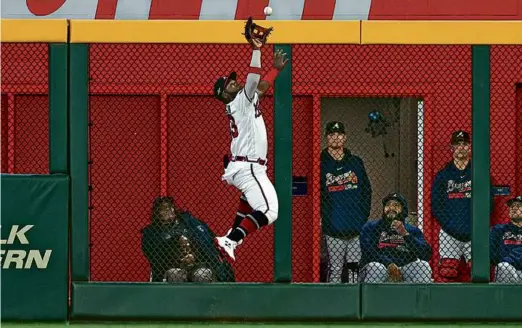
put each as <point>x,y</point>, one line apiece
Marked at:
<point>226,246</point>
<point>239,242</point>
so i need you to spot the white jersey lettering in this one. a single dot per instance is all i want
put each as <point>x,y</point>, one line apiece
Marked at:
<point>247,127</point>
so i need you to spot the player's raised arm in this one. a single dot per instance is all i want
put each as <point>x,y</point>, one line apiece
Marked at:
<point>254,72</point>
<point>280,61</point>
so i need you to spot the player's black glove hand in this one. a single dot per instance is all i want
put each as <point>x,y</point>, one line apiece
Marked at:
<point>255,34</point>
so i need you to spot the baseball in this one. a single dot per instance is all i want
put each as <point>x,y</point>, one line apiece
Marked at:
<point>268,11</point>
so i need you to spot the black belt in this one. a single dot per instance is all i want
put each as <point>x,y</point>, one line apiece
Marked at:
<point>246,159</point>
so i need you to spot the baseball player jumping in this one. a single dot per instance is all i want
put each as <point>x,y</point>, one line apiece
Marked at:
<point>246,167</point>
<point>506,245</point>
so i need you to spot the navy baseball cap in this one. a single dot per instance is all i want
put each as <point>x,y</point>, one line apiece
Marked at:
<point>517,199</point>
<point>221,84</point>
<point>397,197</point>
<point>335,126</point>
<point>460,136</point>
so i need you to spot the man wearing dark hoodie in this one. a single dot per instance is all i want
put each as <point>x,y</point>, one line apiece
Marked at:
<point>180,248</point>
<point>451,207</point>
<point>506,245</point>
<point>346,196</point>
<point>393,250</point>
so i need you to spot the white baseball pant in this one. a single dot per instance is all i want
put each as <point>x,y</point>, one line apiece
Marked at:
<point>339,251</point>
<point>251,179</point>
<point>451,248</point>
<point>505,273</point>
<point>414,272</point>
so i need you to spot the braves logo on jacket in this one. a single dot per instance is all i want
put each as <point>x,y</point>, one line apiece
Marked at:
<point>392,239</point>
<point>459,189</point>
<point>512,239</point>
<point>345,181</point>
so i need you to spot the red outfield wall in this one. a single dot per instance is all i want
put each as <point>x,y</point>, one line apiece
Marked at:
<point>156,129</point>
<point>25,119</point>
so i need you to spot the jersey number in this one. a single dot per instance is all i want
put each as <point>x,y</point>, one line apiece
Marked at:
<point>232,126</point>
<point>257,109</point>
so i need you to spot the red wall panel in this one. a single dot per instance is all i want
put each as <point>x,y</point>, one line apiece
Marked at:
<point>173,68</point>
<point>506,72</point>
<point>24,64</point>
<point>24,73</point>
<point>518,143</point>
<point>31,134</point>
<point>4,133</point>
<point>302,211</point>
<point>125,177</point>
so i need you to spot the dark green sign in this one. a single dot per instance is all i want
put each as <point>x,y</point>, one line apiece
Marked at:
<point>34,237</point>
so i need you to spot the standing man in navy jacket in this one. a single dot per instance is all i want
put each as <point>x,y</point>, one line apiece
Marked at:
<point>346,196</point>
<point>393,250</point>
<point>506,245</point>
<point>451,207</point>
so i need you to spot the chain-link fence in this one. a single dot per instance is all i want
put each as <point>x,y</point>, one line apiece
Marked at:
<point>506,159</point>
<point>25,108</point>
<point>381,119</point>
<point>381,140</point>
<point>156,130</point>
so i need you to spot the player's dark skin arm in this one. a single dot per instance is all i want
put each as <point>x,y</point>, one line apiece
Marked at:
<point>262,88</point>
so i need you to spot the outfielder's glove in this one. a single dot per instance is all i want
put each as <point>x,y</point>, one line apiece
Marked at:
<point>252,30</point>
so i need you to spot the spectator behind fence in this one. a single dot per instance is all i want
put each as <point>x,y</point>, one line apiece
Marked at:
<point>451,207</point>
<point>180,248</point>
<point>506,245</point>
<point>345,203</point>
<point>392,250</point>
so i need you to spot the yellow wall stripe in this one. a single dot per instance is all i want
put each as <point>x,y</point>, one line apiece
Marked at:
<point>285,32</point>
<point>200,31</point>
<point>441,32</point>
<point>33,30</point>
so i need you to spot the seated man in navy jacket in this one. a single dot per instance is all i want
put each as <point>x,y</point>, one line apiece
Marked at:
<point>180,248</point>
<point>392,250</point>
<point>506,245</point>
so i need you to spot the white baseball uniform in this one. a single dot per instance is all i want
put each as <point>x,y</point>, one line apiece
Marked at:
<point>247,168</point>
<point>339,251</point>
<point>451,248</point>
<point>414,272</point>
<point>507,274</point>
